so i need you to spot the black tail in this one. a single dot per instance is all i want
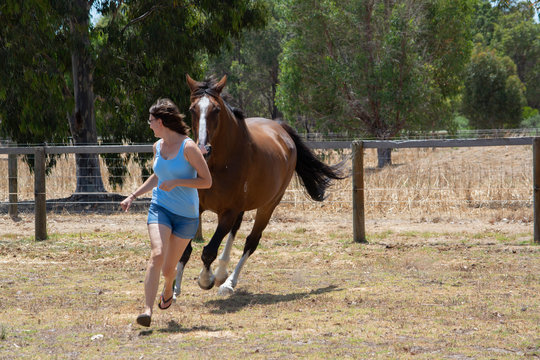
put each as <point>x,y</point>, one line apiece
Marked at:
<point>315,175</point>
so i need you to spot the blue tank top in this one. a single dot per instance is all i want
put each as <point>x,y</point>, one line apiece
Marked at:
<point>183,201</point>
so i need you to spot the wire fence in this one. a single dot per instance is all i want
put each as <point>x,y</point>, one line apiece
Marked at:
<point>433,184</point>
<point>426,135</point>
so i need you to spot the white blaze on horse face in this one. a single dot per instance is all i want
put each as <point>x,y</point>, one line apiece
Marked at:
<point>203,104</point>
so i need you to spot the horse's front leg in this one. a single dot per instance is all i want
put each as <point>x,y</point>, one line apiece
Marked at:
<point>261,220</point>
<point>209,253</point>
<point>252,241</point>
<point>180,270</point>
<point>225,257</point>
<point>227,288</point>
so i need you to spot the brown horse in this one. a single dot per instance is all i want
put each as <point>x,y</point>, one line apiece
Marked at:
<point>252,162</point>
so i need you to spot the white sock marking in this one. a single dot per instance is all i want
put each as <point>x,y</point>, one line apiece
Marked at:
<point>178,284</point>
<point>221,272</point>
<point>228,286</point>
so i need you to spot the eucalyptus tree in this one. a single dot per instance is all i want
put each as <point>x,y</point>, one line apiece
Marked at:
<point>493,94</point>
<point>373,67</point>
<point>485,18</point>
<point>58,70</point>
<point>252,65</point>
<point>511,28</point>
<point>517,35</point>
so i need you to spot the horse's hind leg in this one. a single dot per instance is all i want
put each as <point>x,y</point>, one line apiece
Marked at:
<point>225,257</point>
<point>252,241</point>
<point>180,270</point>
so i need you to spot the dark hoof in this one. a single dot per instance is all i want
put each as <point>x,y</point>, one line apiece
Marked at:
<point>211,285</point>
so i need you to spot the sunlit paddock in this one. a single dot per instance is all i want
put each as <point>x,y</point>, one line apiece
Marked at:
<point>306,293</point>
<point>449,272</point>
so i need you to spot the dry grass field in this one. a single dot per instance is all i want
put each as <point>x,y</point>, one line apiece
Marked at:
<point>450,272</point>
<point>493,183</point>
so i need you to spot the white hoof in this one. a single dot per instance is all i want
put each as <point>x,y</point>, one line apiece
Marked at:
<point>225,290</point>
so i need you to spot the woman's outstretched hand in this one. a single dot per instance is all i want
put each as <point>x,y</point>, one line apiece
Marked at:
<point>126,203</point>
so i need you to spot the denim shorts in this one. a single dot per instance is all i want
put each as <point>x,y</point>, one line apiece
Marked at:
<point>181,226</point>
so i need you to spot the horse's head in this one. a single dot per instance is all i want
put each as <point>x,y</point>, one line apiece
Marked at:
<point>205,109</point>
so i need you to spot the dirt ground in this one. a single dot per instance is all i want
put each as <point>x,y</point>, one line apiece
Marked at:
<point>435,283</point>
<point>285,218</point>
<point>459,289</point>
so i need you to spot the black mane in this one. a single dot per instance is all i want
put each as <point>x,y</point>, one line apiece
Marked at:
<point>207,87</point>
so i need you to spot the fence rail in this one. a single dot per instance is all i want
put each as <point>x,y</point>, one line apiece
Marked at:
<point>338,144</point>
<point>357,146</point>
<point>90,149</point>
<point>374,144</point>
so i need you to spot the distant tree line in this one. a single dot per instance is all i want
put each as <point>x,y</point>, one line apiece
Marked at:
<point>379,68</point>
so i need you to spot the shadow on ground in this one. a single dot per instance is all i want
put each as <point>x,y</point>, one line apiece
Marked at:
<point>241,299</point>
<point>174,327</point>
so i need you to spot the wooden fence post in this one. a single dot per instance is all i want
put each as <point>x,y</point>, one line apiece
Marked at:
<point>40,205</point>
<point>13,210</point>
<point>359,227</point>
<point>536,189</point>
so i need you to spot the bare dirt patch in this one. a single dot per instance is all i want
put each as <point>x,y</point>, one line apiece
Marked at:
<point>417,290</point>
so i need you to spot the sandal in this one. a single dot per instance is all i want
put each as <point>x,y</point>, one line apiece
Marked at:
<point>144,320</point>
<point>163,301</point>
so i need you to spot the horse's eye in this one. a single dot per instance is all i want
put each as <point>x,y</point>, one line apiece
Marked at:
<point>216,109</point>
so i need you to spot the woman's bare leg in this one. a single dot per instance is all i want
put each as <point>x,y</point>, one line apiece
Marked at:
<point>176,247</point>
<point>159,241</point>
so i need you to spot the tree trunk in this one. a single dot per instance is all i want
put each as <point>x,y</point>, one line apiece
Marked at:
<point>82,123</point>
<point>274,111</point>
<point>384,157</point>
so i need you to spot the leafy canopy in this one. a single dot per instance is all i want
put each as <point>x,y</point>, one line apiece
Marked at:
<point>371,65</point>
<point>493,94</point>
<point>140,50</point>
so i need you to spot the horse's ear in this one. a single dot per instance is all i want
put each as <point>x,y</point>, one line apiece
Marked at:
<point>193,85</point>
<point>221,84</point>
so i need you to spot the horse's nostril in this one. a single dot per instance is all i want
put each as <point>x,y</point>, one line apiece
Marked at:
<point>208,150</point>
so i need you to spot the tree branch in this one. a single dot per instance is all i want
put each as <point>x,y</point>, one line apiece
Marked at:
<point>141,18</point>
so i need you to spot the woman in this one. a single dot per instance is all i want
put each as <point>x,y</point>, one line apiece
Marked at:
<point>173,216</point>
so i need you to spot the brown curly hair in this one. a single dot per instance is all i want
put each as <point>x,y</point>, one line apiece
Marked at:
<point>170,115</point>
